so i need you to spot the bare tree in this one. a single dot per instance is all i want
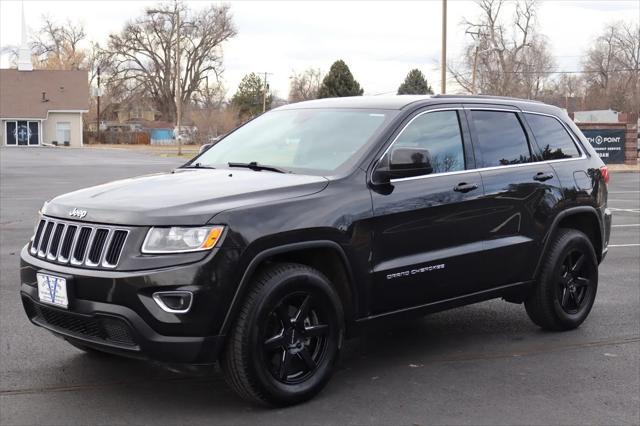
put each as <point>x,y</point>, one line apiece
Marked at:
<point>612,68</point>
<point>600,62</point>
<point>305,85</point>
<point>501,60</point>
<point>143,53</point>
<point>97,59</point>
<point>210,96</point>
<point>566,91</point>
<point>212,122</point>
<point>59,46</point>
<point>569,85</point>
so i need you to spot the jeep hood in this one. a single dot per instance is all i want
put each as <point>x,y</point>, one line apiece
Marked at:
<point>181,197</point>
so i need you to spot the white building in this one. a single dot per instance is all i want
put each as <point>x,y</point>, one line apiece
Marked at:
<point>41,106</point>
<point>596,116</point>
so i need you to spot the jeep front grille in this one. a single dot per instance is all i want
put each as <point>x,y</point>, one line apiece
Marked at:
<point>78,244</point>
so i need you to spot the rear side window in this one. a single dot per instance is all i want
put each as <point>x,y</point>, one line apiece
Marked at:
<point>439,133</point>
<point>500,138</point>
<point>553,139</point>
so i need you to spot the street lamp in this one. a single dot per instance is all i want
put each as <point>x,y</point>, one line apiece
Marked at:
<point>176,13</point>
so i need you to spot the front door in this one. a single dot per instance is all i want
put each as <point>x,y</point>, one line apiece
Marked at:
<point>22,133</point>
<point>426,242</point>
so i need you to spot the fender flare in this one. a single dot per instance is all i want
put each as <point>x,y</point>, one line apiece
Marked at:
<point>554,228</point>
<point>270,252</point>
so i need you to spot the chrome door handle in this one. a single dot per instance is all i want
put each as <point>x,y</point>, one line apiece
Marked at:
<point>465,187</point>
<point>542,176</point>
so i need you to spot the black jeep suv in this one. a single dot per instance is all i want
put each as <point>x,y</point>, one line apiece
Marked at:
<point>316,219</point>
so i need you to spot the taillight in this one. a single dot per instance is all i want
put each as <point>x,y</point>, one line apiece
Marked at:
<point>605,174</point>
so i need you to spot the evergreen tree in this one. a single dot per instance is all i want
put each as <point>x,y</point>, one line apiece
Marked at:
<point>339,82</point>
<point>249,96</point>
<point>415,84</point>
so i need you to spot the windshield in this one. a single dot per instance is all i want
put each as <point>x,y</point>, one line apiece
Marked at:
<point>303,140</point>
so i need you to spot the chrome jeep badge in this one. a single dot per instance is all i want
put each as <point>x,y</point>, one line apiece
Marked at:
<point>78,213</point>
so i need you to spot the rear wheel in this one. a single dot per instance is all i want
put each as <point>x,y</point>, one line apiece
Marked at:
<point>566,290</point>
<point>287,337</point>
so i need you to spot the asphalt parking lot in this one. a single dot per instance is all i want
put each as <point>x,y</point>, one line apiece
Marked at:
<point>482,364</point>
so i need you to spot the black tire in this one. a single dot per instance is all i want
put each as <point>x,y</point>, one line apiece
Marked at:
<point>287,337</point>
<point>566,289</point>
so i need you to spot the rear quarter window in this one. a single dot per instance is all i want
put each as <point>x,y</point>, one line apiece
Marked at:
<point>553,139</point>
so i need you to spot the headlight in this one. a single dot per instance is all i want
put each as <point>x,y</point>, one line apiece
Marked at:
<point>181,239</point>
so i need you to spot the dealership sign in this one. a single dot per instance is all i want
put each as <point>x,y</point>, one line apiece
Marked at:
<point>608,143</point>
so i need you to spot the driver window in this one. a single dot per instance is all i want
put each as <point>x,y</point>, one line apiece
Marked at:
<point>439,133</point>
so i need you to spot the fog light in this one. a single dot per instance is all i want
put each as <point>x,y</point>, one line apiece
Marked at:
<point>175,302</point>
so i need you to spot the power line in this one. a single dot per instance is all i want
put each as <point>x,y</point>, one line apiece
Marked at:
<point>567,71</point>
<point>572,72</point>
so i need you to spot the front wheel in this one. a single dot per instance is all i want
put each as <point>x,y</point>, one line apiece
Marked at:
<point>287,337</point>
<point>566,290</point>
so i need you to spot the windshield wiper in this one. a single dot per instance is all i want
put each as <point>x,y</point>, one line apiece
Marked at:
<point>258,167</point>
<point>197,166</point>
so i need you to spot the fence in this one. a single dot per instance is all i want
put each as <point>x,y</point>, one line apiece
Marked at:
<point>117,138</point>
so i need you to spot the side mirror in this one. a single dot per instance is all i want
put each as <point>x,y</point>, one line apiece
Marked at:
<point>404,162</point>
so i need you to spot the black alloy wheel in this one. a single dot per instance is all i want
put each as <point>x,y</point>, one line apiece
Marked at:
<point>565,291</point>
<point>287,337</point>
<point>298,333</point>
<point>574,283</point>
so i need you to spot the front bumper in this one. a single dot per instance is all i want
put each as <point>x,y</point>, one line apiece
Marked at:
<point>114,311</point>
<point>117,330</point>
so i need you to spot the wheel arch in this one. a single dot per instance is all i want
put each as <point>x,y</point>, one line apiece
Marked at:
<point>324,255</point>
<point>584,219</point>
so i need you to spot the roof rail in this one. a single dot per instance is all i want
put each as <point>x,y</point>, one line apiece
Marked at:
<point>506,98</point>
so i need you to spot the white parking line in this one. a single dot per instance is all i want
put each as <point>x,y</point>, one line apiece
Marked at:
<point>623,200</point>
<point>624,192</point>
<point>624,225</point>
<point>624,210</point>
<point>623,245</point>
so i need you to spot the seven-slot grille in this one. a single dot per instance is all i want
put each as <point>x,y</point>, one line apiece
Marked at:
<point>79,244</point>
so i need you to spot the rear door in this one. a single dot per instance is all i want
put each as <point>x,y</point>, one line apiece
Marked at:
<point>426,242</point>
<point>520,193</point>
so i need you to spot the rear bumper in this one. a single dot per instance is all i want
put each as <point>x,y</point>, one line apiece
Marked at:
<point>607,218</point>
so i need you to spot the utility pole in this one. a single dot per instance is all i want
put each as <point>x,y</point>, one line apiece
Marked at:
<point>443,57</point>
<point>98,114</point>
<point>476,52</point>
<point>178,88</point>
<point>475,67</point>
<point>265,89</point>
